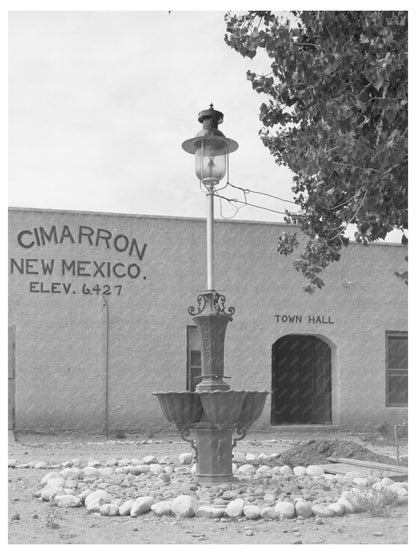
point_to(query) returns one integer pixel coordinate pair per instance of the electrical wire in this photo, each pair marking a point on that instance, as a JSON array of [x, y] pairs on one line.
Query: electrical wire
[[237, 209], [247, 191], [245, 203]]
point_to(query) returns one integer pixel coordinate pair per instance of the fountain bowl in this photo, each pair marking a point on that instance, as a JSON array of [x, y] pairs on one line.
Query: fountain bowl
[[183, 408], [253, 406], [222, 407]]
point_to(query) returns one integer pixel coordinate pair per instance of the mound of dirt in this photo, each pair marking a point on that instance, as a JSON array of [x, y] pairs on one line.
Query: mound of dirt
[[316, 451]]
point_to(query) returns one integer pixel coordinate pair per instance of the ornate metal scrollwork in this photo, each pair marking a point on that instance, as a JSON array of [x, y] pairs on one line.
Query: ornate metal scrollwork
[[213, 302], [242, 432], [185, 433], [202, 303]]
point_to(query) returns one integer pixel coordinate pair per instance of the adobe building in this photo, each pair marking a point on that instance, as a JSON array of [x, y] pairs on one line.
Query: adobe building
[[98, 320]]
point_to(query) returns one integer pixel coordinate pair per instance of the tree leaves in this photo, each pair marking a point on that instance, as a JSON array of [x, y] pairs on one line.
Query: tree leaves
[[337, 117]]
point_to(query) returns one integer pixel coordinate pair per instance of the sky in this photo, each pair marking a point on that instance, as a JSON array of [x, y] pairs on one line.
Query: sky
[[101, 96], [100, 103]]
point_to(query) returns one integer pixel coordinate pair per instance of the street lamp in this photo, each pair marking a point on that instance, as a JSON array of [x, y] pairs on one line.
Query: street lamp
[[213, 412], [211, 149]]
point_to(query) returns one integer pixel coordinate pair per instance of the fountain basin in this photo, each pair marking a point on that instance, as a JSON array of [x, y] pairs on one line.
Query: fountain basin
[[222, 407], [183, 408], [253, 406]]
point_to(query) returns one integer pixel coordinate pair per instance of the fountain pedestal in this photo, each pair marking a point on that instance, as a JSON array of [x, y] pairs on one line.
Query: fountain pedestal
[[213, 412], [214, 460]]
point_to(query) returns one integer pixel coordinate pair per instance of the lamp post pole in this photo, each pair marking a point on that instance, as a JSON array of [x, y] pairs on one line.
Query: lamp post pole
[[210, 237]]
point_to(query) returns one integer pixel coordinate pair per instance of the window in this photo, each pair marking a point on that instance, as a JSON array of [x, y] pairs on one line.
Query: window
[[396, 382], [194, 369]]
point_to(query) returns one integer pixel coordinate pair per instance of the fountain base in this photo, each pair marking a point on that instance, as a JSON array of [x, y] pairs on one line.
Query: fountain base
[[214, 461]]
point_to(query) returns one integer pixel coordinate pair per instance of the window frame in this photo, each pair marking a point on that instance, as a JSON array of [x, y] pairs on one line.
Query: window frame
[[394, 371], [189, 385]]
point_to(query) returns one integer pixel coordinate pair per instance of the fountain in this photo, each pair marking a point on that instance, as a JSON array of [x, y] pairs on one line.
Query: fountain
[[209, 417]]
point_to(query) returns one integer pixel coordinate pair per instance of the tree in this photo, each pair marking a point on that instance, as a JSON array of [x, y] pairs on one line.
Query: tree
[[336, 115]]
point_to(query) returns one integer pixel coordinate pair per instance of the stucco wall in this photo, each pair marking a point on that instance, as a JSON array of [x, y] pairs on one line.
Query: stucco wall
[[61, 353]]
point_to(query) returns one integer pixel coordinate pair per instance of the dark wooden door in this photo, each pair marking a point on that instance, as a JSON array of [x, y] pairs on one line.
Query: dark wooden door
[[301, 380]]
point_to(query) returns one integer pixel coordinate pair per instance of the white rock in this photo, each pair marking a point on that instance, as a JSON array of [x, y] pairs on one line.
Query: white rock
[[85, 494], [354, 497], [322, 510], [109, 509], [76, 462], [234, 468], [299, 471], [330, 477], [314, 470], [263, 457], [251, 511], [105, 471], [141, 468], [239, 457], [141, 505], [161, 508], [402, 494], [303, 508], [360, 482], [93, 462], [125, 508], [269, 498], [40, 464], [51, 476], [268, 513], [124, 462], [67, 501], [193, 469], [150, 459], [285, 509], [235, 508], [50, 492], [396, 486], [165, 460], [264, 469], [338, 509], [69, 491], [246, 469], [56, 483], [251, 457], [12, 463], [156, 468], [184, 506], [71, 473], [169, 470], [186, 458], [90, 471], [387, 481], [378, 486], [94, 507], [100, 495], [66, 464], [125, 470], [113, 462], [285, 470], [208, 511], [136, 462], [349, 507], [276, 469]]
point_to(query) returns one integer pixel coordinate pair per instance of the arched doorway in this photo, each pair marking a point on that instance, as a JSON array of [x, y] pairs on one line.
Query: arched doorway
[[301, 380]]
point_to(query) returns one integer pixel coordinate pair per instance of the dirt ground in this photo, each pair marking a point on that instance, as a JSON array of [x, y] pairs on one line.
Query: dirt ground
[[76, 526]]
